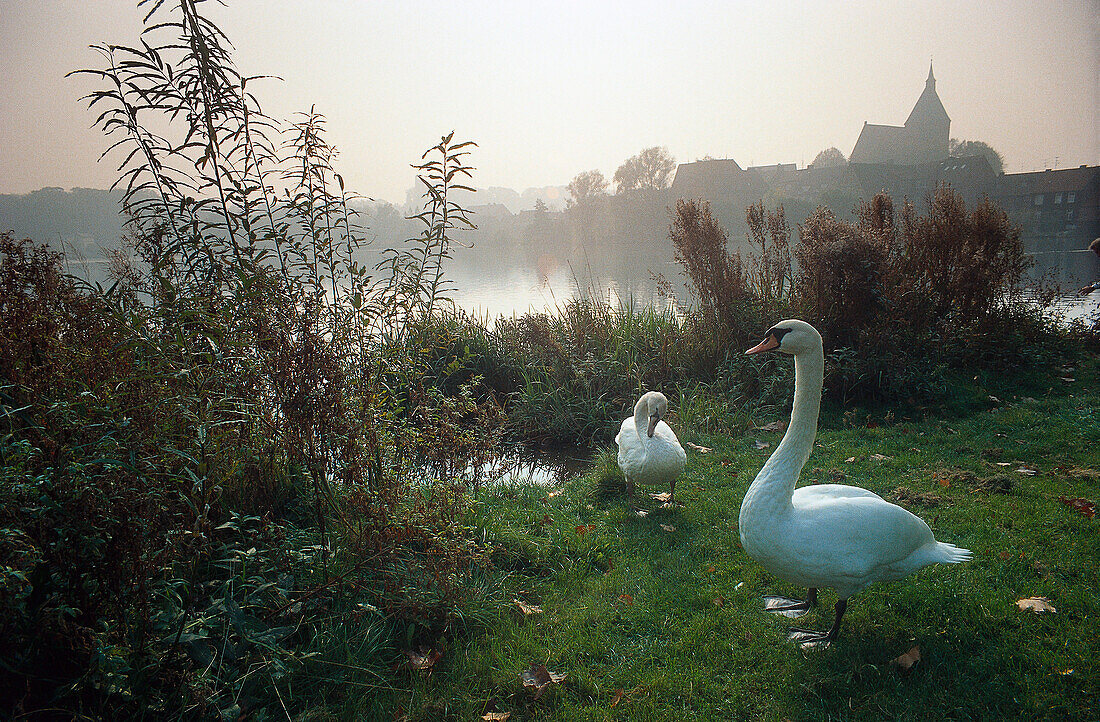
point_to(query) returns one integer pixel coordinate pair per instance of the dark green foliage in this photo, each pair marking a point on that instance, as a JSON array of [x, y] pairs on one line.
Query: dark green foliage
[[238, 452], [900, 301]]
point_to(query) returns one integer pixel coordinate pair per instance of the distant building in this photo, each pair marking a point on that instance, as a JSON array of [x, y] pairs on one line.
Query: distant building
[[1057, 210], [1059, 214], [923, 139]]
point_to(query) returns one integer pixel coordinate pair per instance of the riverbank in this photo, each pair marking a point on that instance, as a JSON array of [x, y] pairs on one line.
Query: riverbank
[[659, 617]]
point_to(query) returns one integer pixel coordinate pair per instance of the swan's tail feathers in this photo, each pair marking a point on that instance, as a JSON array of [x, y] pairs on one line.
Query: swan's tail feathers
[[951, 554]]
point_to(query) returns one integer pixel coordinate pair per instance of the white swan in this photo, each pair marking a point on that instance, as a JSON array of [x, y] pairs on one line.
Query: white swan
[[826, 535], [649, 452]]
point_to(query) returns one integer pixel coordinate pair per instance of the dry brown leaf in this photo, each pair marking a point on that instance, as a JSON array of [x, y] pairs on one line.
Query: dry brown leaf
[[618, 698], [761, 444], [527, 609], [642, 513], [582, 529], [850, 459], [719, 601], [1068, 379], [668, 527], [994, 399], [1004, 463], [906, 661], [773, 426], [664, 496], [551, 495], [700, 449], [423, 658], [496, 716], [1081, 506], [711, 569], [881, 457], [626, 599], [1036, 604], [1026, 471], [539, 677]]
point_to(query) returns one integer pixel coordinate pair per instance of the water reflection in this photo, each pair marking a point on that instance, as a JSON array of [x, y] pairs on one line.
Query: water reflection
[[523, 466]]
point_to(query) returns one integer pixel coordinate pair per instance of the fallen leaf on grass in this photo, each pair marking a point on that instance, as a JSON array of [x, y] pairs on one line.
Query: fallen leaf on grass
[[994, 399], [1036, 604], [626, 599], [1068, 379], [496, 716], [1081, 506], [539, 677], [664, 496], [641, 513], [1005, 555], [700, 449], [850, 459], [527, 609], [668, 527], [582, 529], [881, 457], [719, 601], [551, 495], [760, 444], [1004, 463], [773, 426], [618, 698], [423, 658], [906, 661]]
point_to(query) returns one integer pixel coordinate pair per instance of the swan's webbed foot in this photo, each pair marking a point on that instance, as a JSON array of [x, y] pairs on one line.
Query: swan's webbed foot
[[810, 639], [793, 608]]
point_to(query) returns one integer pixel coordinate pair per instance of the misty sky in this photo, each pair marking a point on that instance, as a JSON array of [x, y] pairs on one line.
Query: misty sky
[[550, 89]]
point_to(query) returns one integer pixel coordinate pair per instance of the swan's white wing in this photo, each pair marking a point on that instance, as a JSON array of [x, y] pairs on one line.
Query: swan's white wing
[[849, 541], [810, 494]]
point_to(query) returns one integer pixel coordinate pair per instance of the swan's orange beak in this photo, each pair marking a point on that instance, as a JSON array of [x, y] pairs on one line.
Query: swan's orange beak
[[768, 344]]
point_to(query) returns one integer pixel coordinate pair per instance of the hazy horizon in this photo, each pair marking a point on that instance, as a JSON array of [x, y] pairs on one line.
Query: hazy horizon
[[549, 92]]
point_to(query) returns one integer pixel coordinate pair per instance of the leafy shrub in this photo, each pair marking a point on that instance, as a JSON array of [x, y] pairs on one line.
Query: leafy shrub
[[716, 277], [901, 301], [242, 433]]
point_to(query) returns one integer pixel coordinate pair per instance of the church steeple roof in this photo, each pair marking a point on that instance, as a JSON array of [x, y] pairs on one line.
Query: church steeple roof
[[928, 110]]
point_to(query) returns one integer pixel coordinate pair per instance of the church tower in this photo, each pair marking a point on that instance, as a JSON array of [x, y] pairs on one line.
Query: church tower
[[923, 139], [929, 125]]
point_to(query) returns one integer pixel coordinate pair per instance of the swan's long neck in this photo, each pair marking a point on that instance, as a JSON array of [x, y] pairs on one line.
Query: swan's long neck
[[641, 422], [775, 483]]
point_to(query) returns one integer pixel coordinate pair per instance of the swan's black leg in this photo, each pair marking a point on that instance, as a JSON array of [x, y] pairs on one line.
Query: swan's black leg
[[808, 638], [793, 608]]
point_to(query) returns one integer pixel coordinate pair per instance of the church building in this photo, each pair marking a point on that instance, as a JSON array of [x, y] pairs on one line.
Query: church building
[[923, 138]]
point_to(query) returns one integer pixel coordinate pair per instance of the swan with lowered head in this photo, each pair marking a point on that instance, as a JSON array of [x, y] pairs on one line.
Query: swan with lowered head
[[826, 535], [649, 452]]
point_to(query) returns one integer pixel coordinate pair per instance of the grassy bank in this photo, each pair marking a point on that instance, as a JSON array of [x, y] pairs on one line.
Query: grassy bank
[[660, 617]]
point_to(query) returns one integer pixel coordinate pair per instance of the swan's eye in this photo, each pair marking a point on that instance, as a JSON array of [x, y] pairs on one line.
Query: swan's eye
[[778, 333]]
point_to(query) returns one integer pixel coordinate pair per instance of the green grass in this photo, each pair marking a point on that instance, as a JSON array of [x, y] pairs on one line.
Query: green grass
[[691, 642]]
